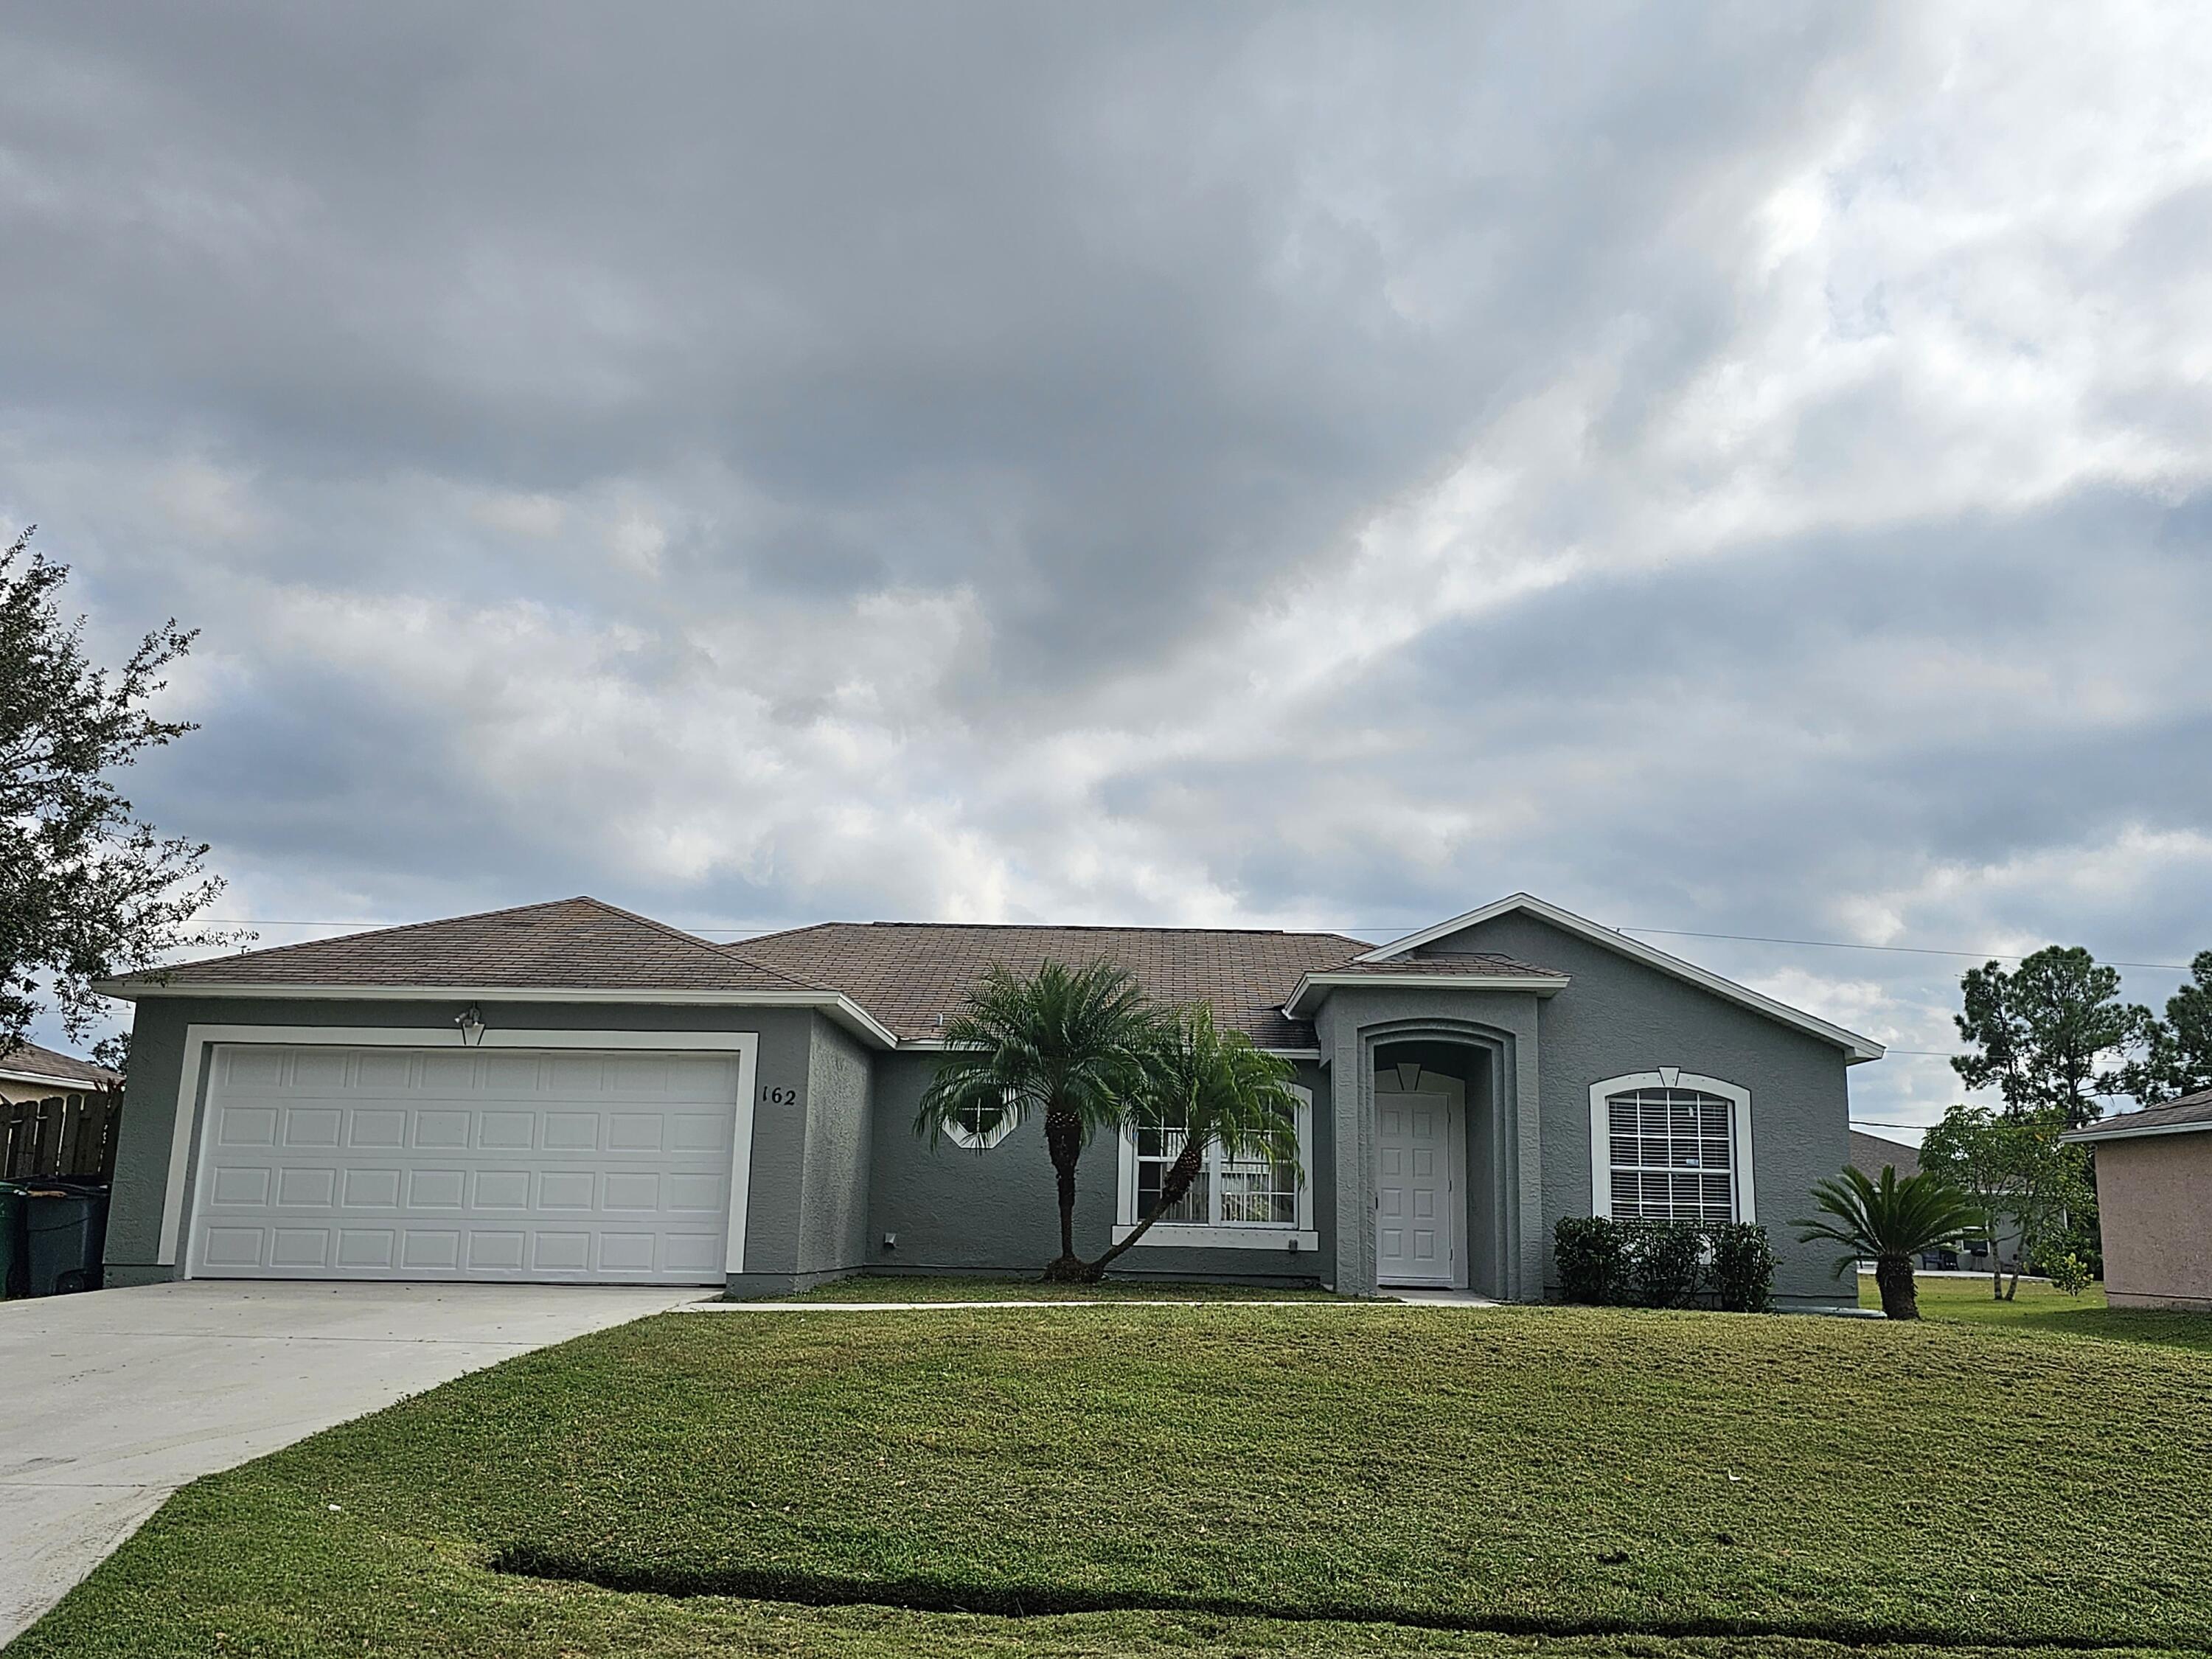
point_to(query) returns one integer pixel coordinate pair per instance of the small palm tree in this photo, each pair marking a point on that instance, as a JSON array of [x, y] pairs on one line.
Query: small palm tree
[[1892, 1222], [1214, 1088], [1065, 1044]]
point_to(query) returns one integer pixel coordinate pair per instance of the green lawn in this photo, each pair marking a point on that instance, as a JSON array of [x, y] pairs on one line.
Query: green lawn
[[2038, 1307], [899, 1287], [1313, 1480]]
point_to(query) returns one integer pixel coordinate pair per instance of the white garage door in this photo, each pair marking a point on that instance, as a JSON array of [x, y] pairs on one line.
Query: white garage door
[[336, 1163]]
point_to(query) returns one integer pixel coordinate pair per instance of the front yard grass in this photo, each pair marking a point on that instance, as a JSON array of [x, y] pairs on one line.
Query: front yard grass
[[1297, 1481], [2039, 1306]]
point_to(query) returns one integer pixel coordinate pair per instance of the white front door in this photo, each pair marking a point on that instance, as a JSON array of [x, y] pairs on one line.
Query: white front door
[[1417, 1190], [456, 1163]]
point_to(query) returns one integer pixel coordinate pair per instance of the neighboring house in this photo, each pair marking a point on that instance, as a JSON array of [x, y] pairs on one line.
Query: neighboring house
[[1969, 1252], [570, 1091], [28, 1073], [1872, 1154], [2154, 1203]]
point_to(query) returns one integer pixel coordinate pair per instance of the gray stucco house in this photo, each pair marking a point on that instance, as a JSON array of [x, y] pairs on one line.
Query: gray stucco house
[[568, 1092]]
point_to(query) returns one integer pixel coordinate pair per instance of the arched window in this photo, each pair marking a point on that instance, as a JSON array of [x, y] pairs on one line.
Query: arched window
[[1671, 1146]]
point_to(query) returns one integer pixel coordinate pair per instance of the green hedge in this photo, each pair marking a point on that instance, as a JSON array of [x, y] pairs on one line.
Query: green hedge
[[1665, 1264]]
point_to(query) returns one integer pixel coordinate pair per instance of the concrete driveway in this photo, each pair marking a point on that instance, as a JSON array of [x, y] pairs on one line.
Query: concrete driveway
[[115, 1399]]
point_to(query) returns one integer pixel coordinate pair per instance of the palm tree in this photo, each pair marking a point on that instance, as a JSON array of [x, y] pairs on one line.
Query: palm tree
[[1212, 1088], [1892, 1222], [1067, 1043]]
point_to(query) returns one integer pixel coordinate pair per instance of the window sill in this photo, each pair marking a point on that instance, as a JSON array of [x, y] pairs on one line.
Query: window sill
[[1185, 1235]]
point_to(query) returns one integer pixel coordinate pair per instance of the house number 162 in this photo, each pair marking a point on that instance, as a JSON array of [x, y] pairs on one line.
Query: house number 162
[[779, 1096]]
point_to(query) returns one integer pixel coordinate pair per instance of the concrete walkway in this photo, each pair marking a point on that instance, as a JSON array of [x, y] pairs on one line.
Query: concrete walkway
[[117, 1397]]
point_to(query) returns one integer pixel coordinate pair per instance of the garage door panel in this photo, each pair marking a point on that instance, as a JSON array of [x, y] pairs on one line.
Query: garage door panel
[[369, 1187], [341, 1162], [246, 1126], [376, 1126]]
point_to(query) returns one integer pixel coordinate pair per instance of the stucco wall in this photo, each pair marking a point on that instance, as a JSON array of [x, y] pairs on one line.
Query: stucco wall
[[1352, 1023], [833, 1221], [954, 1210], [1618, 1016], [2155, 1205], [142, 1165]]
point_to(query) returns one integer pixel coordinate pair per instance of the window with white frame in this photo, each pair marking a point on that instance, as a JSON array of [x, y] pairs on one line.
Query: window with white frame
[[1671, 1155], [1253, 1197], [978, 1128], [1253, 1187]]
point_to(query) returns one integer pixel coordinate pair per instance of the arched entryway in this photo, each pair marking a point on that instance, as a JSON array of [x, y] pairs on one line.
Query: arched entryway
[[1438, 1221]]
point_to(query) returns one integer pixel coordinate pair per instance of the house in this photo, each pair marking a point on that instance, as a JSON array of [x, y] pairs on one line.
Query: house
[[1970, 1251], [2154, 1198], [57, 1115], [571, 1092], [28, 1074], [1872, 1154]]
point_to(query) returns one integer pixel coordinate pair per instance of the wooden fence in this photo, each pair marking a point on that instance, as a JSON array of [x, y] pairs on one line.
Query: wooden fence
[[62, 1135]]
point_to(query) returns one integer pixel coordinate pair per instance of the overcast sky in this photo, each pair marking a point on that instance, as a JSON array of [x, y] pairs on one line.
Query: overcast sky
[[1744, 470]]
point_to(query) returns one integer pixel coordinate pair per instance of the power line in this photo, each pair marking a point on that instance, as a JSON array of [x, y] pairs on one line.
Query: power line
[[1904, 949]]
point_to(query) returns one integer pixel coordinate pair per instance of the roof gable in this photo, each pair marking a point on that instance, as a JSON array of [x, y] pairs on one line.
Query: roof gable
[[569, 945], [1856, 1047]]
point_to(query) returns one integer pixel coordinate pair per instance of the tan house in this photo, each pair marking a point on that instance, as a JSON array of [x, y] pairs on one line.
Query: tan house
[[28, 1073], [2154, 1201]]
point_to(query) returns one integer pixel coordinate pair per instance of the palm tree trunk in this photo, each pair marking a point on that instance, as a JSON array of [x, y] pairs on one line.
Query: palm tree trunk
[[1063, 1139], [1893, 1277], [1173, 1185]]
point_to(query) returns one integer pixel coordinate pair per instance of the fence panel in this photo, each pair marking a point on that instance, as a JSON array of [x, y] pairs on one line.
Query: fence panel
[[62, 1135]]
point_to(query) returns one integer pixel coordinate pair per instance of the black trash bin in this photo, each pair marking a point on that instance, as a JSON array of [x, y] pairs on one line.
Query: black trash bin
[[65, 1232], [12, 1265]]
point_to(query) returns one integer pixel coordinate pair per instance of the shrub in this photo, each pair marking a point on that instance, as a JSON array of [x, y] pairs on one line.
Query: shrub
[[1665, 1255], [1664, 1264], [1592, 1251], [2068, 1272], [1743, 1266]]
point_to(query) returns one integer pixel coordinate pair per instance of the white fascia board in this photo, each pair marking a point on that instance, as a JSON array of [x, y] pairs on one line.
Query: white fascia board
[[1544, 985], [2119, 1131], [838, 1006], [1855, 1046], [81, 1085]]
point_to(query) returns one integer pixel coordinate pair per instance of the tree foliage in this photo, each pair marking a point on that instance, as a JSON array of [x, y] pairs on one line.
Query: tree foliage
[[2052, 1033], [1214, 1088], [2014, 1169], [1890, 1223], [1067, 1044], [2177, 1058], [87, 890]]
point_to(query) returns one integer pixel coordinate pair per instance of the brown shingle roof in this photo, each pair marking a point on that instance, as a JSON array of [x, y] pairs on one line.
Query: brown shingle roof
[[1869, 1153], [29, 1060], [908, 974], [2188, 1112], [578, 944]]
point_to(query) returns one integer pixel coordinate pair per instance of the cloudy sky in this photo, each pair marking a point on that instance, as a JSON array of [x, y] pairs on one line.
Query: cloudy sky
[[1738, 470]]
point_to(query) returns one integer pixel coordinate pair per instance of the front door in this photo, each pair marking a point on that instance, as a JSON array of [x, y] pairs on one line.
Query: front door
[[1417, 1190]]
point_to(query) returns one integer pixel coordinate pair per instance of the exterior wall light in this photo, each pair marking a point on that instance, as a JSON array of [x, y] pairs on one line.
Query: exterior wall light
[[472, 1022]]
